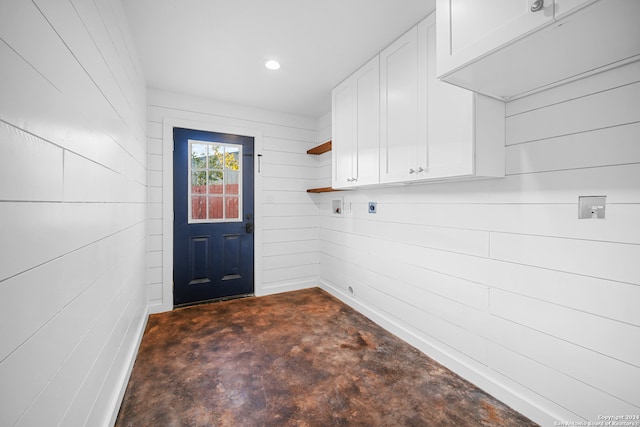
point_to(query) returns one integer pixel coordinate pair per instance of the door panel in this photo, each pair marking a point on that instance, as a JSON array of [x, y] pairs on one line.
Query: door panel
[[231, 252], [198, 260], [399, 108], [367, 103], [343, 135], [450, 121], [213, 216], [566, 7], [470, 29]]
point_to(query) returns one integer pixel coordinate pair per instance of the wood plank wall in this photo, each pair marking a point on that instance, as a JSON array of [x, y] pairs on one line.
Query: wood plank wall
[[73, 211], [289, 233], [499, 279]]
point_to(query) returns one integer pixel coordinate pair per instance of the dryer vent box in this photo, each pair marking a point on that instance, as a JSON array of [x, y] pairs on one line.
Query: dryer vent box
[[591, 207], [337, 207]]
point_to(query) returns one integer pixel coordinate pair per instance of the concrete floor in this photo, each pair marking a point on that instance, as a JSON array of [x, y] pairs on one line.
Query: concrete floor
[[295, 359]]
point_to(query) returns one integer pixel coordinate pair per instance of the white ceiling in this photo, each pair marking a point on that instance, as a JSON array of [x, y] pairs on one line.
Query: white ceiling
[[217, 48]]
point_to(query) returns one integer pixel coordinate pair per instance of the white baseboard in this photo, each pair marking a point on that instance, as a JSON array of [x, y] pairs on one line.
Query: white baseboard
[[286, 287], [158, 306], [126, 374]]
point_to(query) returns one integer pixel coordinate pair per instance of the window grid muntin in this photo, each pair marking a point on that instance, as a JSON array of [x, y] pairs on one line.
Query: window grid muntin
[[225, 196]]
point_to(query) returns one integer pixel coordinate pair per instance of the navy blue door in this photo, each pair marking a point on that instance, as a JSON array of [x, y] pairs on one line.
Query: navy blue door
[[213, 215]]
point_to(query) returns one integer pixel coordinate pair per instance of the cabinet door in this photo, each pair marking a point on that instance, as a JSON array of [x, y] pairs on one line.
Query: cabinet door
[[470, 29], [343, 134], [566, 7], [399, 108], [450, 138], [366, 83]]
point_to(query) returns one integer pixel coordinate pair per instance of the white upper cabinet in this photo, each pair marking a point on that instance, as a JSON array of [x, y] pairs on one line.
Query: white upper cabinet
[[367, 96], [477, 27], [342, 135], [355, 128], [512, 48], [432, 130], [465, 132], [400, 150], [394, 122]]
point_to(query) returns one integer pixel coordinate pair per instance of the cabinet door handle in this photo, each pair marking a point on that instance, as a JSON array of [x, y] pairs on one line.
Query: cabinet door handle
[[420, 169], [349, 179], [537, 5], [411, 171]]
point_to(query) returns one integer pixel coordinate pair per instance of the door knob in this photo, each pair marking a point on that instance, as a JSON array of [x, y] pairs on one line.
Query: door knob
[[248, 227], [537, 5]]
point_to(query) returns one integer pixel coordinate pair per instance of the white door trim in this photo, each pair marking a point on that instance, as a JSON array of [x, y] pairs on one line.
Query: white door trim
[[168, 124]]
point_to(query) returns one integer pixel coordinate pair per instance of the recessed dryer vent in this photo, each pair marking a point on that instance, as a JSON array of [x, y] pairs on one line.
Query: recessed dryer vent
[[337, 207]]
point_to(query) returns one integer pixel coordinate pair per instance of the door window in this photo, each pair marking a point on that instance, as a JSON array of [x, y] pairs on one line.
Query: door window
[[215, 182]]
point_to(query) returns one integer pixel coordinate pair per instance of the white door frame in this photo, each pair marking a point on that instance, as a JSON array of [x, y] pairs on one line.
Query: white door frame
[[168, 124]]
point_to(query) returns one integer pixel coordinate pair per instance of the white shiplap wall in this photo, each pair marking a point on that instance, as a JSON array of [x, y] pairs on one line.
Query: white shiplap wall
[[73, 211], [286, 215], [498, 279]]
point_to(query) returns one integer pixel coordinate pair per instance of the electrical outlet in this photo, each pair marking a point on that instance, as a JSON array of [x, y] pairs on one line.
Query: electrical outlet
[[373, 207]]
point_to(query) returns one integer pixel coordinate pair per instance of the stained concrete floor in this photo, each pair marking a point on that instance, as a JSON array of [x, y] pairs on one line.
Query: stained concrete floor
[[295, 359]]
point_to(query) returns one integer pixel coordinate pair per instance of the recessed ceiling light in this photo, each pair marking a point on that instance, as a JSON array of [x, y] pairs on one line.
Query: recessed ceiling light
[[272, 64]]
